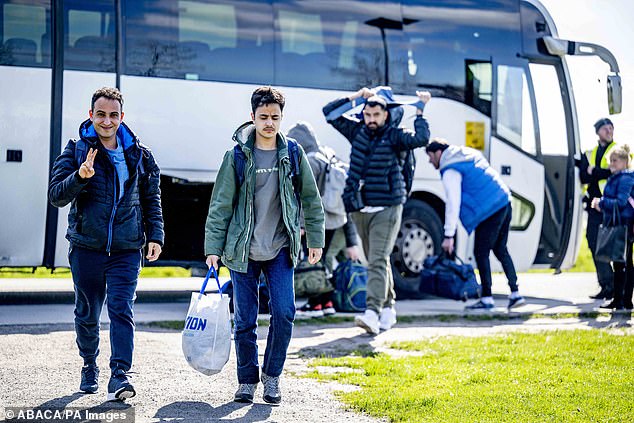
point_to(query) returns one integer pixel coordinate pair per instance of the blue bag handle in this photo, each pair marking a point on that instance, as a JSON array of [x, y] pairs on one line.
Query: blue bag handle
[[210, 272]]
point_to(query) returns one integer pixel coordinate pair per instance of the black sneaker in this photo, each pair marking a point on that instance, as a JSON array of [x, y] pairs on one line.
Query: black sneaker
[[612, 305], [89, 379], [308, 311], [480, 306], [599, 295], [329, 309], [516, 302], [119, 387]]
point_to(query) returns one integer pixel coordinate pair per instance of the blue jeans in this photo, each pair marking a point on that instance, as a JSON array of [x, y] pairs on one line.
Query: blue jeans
[[279, 278], [100, 278]]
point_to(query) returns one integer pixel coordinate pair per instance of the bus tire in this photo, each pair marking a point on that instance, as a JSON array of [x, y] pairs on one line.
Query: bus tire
[[420, 236]]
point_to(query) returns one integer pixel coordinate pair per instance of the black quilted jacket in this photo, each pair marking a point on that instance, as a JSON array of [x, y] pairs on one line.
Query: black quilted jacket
[[384, 184], [96, 220]]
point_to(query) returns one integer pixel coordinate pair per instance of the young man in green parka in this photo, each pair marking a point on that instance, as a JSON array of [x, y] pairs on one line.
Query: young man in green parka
[[253, 224]]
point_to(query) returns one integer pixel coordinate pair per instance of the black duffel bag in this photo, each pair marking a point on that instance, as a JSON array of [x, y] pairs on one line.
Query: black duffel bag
[[444, 277]]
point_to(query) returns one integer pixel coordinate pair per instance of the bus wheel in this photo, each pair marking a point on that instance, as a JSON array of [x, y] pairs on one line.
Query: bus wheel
[[420, 236]]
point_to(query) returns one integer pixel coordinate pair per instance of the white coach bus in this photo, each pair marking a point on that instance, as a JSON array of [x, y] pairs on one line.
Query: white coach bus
[[187, 68]]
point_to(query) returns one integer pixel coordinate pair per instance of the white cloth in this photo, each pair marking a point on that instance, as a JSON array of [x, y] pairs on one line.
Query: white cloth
[[372, 209], [452, 182]]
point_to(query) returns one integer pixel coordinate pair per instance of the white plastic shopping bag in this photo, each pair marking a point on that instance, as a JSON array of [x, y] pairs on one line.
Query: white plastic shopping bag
[[207, 332]]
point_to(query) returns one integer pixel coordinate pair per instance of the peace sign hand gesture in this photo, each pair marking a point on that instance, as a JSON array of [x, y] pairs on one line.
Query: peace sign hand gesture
[[86, 170]]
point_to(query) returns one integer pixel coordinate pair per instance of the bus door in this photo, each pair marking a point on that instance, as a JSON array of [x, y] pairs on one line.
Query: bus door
[[557, 149], [89, 64], [25, 111], [513, 153]]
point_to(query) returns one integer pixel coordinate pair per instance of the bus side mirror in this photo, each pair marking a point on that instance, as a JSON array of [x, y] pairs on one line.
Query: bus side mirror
[[614, 94]]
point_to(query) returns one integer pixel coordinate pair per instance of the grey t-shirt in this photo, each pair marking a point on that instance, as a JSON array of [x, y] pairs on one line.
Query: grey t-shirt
[[269, 232]]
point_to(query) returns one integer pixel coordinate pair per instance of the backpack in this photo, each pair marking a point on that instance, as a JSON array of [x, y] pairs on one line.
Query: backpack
[[240, 161], [407, 162], [331, 182], [310, 279], [351, 279]]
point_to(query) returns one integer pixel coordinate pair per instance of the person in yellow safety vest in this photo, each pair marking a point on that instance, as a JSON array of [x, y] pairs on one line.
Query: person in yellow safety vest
[[594, 172]]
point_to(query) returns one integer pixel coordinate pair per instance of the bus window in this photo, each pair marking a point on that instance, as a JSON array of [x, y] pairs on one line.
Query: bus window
[[550, 109], [479, 86], [200, 40], [445, 36], [514, 112], [89, 34], [25, 33], [332, 44]]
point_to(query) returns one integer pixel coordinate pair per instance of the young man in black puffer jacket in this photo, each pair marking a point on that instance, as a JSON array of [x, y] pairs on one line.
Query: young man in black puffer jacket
[[112, 183], [375, 191]]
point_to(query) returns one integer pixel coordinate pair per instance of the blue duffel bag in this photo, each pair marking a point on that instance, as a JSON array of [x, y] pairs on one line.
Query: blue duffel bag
[[350, 280], [444, 277]]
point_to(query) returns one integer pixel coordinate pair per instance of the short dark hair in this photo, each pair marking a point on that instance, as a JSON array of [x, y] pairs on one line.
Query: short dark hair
[[109, 93], [376, 100], [437, 144], [267, 95]]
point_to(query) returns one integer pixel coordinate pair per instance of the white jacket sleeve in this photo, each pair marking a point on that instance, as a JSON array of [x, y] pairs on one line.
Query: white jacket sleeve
[[452, 182]]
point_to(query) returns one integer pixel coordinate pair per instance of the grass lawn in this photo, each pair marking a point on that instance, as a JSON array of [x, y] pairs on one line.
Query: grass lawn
[[62, 272], [552, 376]]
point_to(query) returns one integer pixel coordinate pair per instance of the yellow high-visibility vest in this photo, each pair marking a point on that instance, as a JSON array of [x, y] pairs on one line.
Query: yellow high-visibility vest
[[605, 161]]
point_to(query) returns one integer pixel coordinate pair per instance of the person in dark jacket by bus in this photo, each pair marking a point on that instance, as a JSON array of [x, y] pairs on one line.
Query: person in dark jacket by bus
[[616, 195], [111, 181], [593, 173], [375, 191]]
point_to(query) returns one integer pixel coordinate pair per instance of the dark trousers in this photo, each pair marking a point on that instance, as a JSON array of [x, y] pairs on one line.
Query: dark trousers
[[100, 278], [605, 274], [492, 235], [624, 280]]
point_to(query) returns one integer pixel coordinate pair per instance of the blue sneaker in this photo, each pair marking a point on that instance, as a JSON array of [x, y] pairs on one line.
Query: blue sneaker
[[89, 378], [516, 302], [119, 387], [479, 305]]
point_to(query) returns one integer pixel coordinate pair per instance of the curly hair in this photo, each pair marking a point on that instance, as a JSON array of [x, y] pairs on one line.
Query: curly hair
[[109, 93], [622, 152]]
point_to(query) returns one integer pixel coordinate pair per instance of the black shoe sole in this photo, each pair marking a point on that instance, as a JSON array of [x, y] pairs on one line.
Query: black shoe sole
[[122, 394], [272, 400], [244, 400]]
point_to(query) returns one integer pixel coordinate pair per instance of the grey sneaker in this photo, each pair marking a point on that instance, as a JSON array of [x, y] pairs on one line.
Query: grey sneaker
[[89, 379], [245, 392], [272, 394]]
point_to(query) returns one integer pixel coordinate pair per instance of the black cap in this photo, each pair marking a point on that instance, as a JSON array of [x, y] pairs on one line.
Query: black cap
[[603, 121]]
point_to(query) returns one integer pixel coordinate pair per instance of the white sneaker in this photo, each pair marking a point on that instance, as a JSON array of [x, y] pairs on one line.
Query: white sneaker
[[368, 321], [387, 319]]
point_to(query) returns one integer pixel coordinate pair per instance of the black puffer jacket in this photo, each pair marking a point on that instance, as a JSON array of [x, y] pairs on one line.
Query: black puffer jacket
[[96, 220], [384, 184]]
